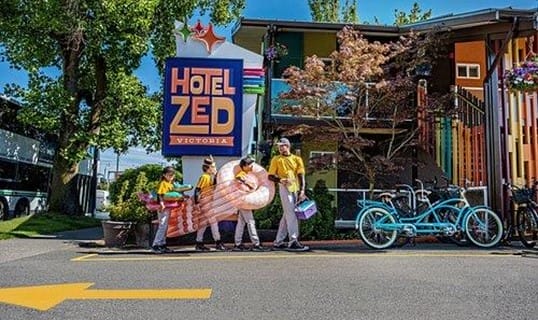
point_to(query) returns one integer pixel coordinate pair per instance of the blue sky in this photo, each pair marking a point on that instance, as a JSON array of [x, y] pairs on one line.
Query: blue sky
[[298, 10], [286, 10]]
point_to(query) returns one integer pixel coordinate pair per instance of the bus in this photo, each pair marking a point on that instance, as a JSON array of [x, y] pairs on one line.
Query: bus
[[26, 159]]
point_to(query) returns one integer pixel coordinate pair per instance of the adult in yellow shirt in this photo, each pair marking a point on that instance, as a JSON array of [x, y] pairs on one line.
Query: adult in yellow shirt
[[288, 171]]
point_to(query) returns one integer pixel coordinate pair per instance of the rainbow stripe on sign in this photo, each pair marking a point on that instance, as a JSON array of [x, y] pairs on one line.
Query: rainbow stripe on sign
[[253, 81]]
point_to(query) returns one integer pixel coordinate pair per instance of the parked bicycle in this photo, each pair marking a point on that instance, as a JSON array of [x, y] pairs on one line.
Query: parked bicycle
[[526, 213], [381, 224]]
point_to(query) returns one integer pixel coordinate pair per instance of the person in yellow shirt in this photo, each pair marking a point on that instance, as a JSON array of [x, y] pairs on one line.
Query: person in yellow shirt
[[165, 185], [245, 217], [205, 182], [288, 171]]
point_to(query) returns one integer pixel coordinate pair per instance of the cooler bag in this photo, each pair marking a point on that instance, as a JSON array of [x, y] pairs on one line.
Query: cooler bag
[[305, 209]]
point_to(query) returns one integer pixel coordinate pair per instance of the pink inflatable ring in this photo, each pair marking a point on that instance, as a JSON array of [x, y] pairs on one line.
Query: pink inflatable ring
[[239, 195]]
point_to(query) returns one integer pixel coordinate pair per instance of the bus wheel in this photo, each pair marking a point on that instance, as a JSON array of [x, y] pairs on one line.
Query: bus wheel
[[22, 208], [3, 210]]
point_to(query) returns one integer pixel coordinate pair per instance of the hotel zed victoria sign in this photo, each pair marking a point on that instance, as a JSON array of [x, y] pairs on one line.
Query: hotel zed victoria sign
[[202, 107]]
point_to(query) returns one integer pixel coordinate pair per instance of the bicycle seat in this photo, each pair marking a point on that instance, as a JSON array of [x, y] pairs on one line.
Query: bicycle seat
[[384, 195]]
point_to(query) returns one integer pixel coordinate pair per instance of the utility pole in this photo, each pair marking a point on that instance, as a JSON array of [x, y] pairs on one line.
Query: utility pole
[[93, 188]]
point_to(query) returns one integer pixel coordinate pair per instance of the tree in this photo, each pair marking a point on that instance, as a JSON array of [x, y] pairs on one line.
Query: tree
[[333, 11], [365, 98], [414, 15], [93, 46]]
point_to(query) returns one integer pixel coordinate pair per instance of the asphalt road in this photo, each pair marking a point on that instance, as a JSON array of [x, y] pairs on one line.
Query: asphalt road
[[429, 281]]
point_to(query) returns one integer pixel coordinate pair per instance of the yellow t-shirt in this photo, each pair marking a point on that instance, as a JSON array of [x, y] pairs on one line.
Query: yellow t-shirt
[[164, 186], [204, 182], [287, 167], [242, 175]]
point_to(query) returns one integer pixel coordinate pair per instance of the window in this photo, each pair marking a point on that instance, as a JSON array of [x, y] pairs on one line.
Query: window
[[468, 70], [327, 158], [314, 154]]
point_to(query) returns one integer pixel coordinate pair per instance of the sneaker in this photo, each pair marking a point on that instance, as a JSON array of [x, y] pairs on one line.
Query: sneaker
[[200, 247], [279, 246], [297, 246], [157, 249], [220, 246], [165, 249], [239, 247], [257, 248]]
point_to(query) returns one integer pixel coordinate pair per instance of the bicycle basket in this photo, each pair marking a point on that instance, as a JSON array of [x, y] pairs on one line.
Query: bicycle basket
[[522, 195]]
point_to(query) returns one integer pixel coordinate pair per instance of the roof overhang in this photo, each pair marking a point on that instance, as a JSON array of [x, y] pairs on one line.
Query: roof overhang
[[471, 19], [250, 32]]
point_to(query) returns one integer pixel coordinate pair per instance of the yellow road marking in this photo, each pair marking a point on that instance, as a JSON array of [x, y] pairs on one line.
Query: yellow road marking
[[177, 256], [45, 297], [84, 257]]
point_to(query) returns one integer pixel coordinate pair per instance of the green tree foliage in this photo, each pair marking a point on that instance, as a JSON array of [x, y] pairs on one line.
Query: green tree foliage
[[414, 15], [334, 11], [80, 56]]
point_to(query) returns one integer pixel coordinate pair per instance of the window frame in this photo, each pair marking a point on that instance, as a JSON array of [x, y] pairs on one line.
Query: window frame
[[467, 66]]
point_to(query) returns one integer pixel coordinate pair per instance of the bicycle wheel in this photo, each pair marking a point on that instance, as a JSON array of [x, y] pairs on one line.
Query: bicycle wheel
[[527, 229], [448, 214], [483, 227], [372, 235]]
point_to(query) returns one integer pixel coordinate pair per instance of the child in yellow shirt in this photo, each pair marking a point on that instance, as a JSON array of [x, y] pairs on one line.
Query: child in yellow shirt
[[165, 185], [245, 216], [206, 181]]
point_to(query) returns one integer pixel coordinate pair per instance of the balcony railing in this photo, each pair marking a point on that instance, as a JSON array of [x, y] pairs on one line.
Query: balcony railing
[[279, 86]]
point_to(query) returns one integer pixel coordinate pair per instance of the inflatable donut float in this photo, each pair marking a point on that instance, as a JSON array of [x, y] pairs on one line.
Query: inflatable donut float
[[219, 202], [229, 189]]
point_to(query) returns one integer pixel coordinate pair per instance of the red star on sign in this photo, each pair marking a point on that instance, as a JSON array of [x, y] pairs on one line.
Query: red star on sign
[[198, 28], [209, 38]]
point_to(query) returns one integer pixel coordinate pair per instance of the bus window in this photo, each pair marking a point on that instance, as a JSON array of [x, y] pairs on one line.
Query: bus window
[[8, 171]]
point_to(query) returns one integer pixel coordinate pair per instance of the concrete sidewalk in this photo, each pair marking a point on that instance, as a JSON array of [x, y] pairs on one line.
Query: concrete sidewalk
[[18, 248]]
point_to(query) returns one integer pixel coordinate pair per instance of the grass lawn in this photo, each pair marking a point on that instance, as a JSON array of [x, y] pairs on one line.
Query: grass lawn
[[44, 224]]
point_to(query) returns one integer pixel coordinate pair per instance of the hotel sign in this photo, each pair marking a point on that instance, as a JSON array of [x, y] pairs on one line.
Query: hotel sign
[[202, 107]]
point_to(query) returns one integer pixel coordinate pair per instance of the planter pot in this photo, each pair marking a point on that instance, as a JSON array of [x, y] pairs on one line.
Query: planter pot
[[115, 232], [142, 236]]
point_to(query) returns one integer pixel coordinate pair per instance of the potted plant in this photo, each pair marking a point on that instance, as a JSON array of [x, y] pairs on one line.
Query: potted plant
[[275, 52], [524, 77], [128, 213]]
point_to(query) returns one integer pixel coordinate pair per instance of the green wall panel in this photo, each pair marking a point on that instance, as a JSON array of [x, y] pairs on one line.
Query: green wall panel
[[294, 42]]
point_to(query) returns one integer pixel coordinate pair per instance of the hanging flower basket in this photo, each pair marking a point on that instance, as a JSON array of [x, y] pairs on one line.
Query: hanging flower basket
[[524, 77], [275, 52]]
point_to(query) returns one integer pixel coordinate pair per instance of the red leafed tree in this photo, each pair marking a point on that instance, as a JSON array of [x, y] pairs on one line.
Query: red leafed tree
[[365, 98]]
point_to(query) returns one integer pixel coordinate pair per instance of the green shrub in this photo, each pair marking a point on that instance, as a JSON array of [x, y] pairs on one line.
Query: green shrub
[[321, 225], [131, 209], [269, 216], [153, 173]]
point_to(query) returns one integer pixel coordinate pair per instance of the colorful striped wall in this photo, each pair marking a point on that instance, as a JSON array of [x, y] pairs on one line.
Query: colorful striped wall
[[459, 143], [521, 118]]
